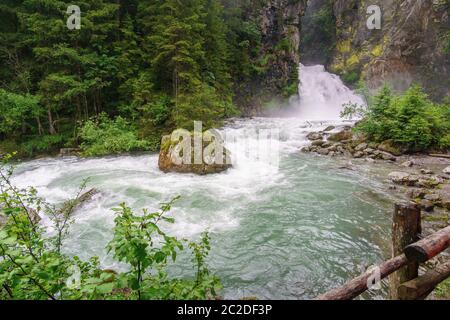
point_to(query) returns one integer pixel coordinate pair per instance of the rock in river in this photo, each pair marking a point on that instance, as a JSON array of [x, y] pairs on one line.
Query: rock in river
[[403, 178], [177, 156]]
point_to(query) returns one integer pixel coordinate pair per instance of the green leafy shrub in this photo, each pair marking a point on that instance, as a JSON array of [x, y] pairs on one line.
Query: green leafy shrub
[[103, 136], [42, 144], [443, 290], [17, 112], [410, 120], [351, 77], [33, 267]]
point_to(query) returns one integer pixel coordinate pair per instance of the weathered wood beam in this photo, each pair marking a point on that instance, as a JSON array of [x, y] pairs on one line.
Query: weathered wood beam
[[421, 287], [447, 156], [406, 228], [429, 247], [355, 287]]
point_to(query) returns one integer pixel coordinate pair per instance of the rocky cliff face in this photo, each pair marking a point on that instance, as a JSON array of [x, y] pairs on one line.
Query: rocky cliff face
[[409, 48], [280, 25]]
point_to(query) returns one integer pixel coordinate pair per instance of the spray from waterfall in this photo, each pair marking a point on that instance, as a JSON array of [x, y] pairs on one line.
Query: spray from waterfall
[[322, 94]]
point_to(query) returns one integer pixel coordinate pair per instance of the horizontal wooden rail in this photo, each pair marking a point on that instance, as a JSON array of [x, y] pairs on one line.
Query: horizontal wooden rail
[[355, 287], [420, 251], [421, 287], [429, 247]]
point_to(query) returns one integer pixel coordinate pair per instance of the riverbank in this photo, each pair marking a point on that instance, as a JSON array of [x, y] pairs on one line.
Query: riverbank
[[423, 178], [420, 178]]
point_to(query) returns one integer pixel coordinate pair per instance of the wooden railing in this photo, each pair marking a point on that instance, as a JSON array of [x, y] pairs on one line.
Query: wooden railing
[[403, 268]]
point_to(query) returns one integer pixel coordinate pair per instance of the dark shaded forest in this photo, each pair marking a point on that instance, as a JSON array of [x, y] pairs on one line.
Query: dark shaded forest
[[135, 70]]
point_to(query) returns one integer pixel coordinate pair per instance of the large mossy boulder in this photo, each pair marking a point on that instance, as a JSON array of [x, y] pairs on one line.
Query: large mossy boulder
[[390, 147], [180, 157], [343, 135]]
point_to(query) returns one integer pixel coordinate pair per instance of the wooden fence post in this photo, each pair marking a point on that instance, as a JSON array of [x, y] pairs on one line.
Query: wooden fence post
[[406, 228]]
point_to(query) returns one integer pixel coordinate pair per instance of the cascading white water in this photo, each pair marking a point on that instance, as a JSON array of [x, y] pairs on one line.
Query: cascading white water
[[322, 94], [279, 230]]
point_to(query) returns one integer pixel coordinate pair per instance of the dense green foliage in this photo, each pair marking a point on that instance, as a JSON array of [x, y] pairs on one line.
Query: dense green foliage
[[409, 120], [102, 136], [157, 64], [32, 265]]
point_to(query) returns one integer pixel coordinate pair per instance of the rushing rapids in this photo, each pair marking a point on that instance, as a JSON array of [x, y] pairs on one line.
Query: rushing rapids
[[283, 224]]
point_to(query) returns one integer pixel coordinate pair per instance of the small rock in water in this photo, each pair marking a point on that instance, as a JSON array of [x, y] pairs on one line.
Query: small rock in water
[[314, 136], [388, 156], [416, 193], [323, 151], [318, 143], [430, 182], [445, 200], [407, 164], [426, 171], [361, 147], [427, 205], [306, 149], [358, 154], [446, 170], [433, 197], [327, 144], [330, 128], [403, 178]]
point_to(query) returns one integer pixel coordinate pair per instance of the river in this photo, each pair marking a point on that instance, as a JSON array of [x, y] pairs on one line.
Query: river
[[286, 229]]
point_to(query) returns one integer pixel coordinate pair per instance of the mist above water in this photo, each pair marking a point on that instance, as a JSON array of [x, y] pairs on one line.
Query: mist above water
[[322, 94]]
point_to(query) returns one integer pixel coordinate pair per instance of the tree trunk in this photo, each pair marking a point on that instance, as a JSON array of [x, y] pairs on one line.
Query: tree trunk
[[40, 129], [51, 126]]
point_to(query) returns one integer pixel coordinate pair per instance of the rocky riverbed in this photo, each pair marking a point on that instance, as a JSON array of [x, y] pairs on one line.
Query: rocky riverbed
[[421, 178]]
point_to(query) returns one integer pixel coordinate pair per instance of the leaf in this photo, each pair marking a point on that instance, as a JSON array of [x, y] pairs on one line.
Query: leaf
[[10, 241], [105, 288]]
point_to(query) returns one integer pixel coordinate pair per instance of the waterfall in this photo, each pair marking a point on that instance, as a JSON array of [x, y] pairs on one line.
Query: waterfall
[[322, 94]]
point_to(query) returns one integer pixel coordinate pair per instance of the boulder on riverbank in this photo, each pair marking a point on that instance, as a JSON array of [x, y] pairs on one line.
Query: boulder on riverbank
[[390, 147], [69, 152], [343, 135], [172, 157], [346, 143], [403, 178]]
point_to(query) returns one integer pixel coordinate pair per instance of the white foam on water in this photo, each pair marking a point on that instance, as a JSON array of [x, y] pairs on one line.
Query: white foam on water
[[322, 94], [212, 202]]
